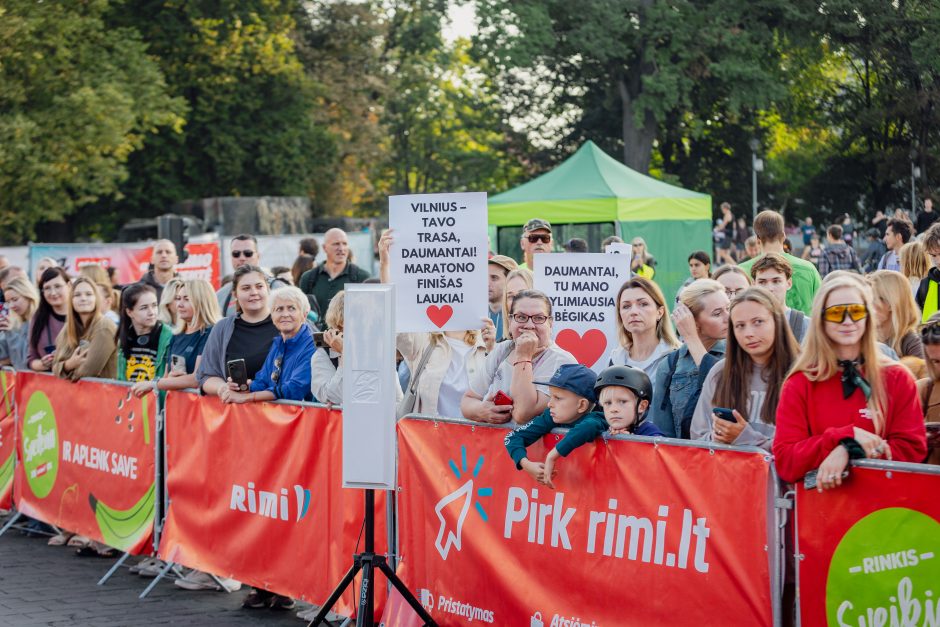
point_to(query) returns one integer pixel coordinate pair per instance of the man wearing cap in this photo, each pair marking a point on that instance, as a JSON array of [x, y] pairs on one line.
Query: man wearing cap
[[499, 267], [536, 238]]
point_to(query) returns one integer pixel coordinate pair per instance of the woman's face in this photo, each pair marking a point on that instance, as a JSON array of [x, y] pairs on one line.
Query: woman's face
[[713, 318], [697, 269], [18, 304], [638, 311], [754, 329], [847, 332], [84, 299], [144, 313], [532, 307], [42, 266], [55, 291], [104, 293], [881, 313], [513, 286], [287, 316], [932, 353], [252, 293], [733, 283], [184, 307]]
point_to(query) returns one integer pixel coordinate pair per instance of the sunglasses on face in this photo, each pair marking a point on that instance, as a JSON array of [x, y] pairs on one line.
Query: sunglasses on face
[[248, 253], [837, 313], [544, 238]]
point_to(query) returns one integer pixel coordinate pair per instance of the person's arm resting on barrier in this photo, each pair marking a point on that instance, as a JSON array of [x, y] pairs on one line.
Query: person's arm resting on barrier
[[527, 402], [97, 353], [518, 440], [326, 382]]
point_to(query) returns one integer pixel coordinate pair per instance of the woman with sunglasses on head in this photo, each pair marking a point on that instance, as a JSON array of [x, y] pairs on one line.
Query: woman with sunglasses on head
[[49, 319], [760, 350], [843, 399], [505, 388], [285, 374]]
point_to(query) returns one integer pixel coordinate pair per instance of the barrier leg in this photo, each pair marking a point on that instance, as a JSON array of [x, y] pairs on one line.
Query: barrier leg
[[163, 572], [11, 522], [114, 568]]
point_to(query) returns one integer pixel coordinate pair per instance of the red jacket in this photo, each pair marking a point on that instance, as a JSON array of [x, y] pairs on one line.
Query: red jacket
[[812, 417]]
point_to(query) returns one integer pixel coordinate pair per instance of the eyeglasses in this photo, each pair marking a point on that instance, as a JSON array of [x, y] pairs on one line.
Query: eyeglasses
[[545, 238], [521, 318], [732, 293], [277, 369], [248, 253], [837, 313]]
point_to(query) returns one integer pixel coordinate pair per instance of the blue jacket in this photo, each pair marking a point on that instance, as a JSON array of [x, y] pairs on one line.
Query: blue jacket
[[291, 360], [678, 385]]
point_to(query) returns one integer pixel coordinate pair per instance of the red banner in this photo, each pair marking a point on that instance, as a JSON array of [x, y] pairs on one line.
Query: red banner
[[85, 459], [7, 428], [635, 533], [256, 495], [871, 549]]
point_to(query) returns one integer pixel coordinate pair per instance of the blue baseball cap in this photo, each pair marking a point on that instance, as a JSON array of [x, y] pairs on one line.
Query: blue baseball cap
[[575, 378]]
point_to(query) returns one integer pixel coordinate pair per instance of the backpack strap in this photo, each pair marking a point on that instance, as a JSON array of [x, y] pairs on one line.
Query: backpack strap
[[796, 321]]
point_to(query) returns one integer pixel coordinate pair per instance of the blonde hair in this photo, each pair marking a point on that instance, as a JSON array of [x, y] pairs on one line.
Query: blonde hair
[[696, 291], [894, 290], [75, 329], [663, 325], [529, 279], [818, 360], [166, 299], [25, 288], [205, 305], [470, 337], [914, 260], [96, 273], [334, 313]]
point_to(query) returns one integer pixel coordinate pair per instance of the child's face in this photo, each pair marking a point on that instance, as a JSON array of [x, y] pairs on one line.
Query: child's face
[[564, 405], [934, 254], [620, 407]]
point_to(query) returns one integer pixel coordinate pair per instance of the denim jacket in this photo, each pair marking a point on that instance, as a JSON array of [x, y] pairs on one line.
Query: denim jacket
[[674, 390]]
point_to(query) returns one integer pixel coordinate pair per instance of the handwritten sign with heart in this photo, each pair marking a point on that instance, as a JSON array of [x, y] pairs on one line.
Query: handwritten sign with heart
[[438, 261], [582, 288]]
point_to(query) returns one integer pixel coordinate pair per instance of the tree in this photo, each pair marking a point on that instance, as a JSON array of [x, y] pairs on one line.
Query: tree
[[630, 65], [78, 99]]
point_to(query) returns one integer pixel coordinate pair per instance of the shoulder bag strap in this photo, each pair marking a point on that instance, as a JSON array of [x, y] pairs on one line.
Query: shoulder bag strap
[[425, 356]]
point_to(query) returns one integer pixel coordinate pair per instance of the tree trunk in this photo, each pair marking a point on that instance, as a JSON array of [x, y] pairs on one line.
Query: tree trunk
[[637, 140]]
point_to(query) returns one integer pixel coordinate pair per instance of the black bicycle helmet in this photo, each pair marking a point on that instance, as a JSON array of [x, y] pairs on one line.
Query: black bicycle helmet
[[630, 378], [627, 377]]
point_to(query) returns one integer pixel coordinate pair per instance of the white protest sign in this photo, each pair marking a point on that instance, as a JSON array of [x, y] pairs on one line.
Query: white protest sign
[[438, 261], [582, 288], [620, 248]]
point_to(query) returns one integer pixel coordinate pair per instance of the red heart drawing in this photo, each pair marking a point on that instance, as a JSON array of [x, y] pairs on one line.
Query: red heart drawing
[[439, 315], [587, 348]]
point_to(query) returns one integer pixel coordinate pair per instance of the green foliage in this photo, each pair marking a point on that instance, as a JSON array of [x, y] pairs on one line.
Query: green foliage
[[76, 99]]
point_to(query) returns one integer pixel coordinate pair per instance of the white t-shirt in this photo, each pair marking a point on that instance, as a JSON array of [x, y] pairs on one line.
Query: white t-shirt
[[620, 357], [455, 382], [497, 372]]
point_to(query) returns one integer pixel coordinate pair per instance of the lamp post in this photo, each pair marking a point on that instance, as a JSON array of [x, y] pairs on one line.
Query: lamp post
[[757, 165]]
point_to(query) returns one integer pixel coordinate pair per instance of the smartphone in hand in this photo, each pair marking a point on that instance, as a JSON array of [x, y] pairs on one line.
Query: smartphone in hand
[[318, 340], [238, 373], [724, 413], [501, 398], [177, 364]]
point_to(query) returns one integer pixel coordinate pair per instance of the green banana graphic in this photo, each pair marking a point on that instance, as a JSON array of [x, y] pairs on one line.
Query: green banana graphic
[[123, 529], [6, 471]]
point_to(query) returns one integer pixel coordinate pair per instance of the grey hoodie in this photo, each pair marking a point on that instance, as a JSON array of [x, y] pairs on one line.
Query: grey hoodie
[[757, 432], [14, 345]]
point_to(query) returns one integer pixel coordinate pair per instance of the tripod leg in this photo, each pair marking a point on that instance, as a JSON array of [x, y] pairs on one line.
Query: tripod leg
[[406, 594], [365, 617], [335, 595]]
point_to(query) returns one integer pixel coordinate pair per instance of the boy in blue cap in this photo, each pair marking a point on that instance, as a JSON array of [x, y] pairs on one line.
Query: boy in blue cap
[[571, 399], [625, 393]]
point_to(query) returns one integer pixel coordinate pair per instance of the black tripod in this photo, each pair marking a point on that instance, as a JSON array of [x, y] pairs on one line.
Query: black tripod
[[367, 562]]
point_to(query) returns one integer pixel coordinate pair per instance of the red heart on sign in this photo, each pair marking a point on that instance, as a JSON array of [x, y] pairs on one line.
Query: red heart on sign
[[439, 315], [587, 348]]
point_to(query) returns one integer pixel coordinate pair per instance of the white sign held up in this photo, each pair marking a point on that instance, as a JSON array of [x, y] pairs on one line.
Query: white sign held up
[[582, 288], [438, 261]]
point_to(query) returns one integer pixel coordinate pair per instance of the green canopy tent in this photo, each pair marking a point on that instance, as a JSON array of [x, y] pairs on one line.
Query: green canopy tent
[[591, 187]]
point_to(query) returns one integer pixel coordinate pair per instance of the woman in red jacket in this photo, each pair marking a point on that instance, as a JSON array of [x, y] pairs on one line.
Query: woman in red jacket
[[842, 398]]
